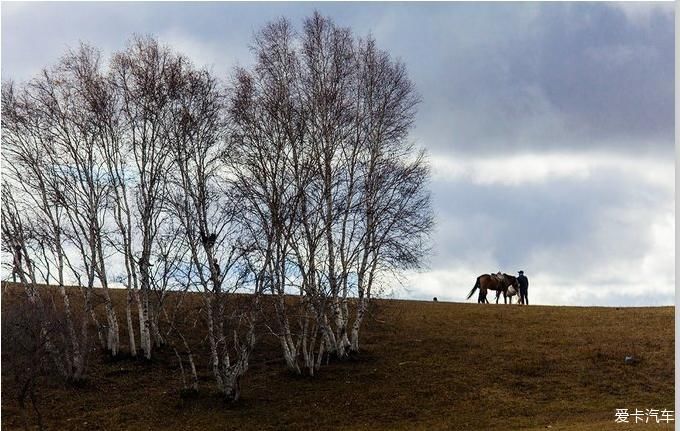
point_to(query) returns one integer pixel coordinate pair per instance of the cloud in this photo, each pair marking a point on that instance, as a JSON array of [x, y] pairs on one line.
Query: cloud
[[495, 77], [574, 222], [203, 53], [520, 169], [548, 77], [645, 13]]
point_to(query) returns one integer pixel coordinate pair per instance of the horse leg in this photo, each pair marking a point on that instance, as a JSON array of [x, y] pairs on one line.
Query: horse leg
[[482, 296], [498, 295]]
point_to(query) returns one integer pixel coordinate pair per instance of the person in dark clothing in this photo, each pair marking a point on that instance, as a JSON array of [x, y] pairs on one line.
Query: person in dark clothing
[[523, 288]]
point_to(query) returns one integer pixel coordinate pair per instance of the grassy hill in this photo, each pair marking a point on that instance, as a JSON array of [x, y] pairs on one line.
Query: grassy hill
[[423, 366]]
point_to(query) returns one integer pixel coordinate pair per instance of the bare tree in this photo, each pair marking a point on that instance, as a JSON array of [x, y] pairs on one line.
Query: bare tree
[[298, 183], [268, 169], [203, 204], [177, 321], [145, 75], [115, 150], [336, 194], [395, 215], [329, 86], [71, 99], [28, 154]]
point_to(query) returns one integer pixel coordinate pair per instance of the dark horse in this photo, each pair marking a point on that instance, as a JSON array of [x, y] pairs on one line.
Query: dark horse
[[501, 283]]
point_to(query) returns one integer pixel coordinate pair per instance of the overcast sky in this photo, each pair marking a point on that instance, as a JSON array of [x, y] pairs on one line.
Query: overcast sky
[[550, 126]]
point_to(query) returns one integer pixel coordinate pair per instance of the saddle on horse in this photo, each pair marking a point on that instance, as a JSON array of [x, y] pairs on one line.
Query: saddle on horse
[[498, 277]]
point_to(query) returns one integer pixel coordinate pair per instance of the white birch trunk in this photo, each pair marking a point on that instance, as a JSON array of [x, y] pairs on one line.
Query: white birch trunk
[[76, 357], [145, 325], [214, 355], [194, 374], [155, 331], [144, 339], [362, 306], [233, 373], [289, 353], [131, 329], [113, 336], [87, 297]]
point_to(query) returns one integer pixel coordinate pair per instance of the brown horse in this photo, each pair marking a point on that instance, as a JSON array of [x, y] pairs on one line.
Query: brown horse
[[498, 282]]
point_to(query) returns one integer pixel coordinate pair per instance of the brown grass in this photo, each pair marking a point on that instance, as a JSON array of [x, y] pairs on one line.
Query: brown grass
[[423, 366]]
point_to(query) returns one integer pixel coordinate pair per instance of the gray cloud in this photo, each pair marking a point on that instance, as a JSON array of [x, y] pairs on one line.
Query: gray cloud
[[599, 220], [547, 76], [611, 78], [495, 77], [601, 238]]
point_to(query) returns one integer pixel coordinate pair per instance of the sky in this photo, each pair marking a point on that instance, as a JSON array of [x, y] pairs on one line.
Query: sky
[[549, 126]]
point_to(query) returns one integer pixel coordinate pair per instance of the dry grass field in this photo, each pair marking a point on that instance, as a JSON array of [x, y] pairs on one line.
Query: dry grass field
[[424, 365]]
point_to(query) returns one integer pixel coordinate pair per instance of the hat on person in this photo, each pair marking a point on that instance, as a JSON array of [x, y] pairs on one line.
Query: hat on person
[[521, 272]]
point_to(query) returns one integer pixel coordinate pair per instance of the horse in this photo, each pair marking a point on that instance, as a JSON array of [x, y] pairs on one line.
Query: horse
[[501, 283], [509, 293]]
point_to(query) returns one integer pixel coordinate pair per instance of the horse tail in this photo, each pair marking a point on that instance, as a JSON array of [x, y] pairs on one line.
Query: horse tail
[[473, 289]]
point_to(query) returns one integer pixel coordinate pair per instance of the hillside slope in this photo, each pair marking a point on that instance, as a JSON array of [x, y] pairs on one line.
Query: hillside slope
[[423, 366]]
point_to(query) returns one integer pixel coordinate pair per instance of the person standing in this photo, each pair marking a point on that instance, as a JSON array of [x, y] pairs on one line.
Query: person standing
[[523, 288]]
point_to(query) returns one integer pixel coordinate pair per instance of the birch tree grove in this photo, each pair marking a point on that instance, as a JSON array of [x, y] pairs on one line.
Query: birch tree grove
[[34, 212], [201, 201], [281, 200], [145, 75], [336, 194], [71, 99]]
